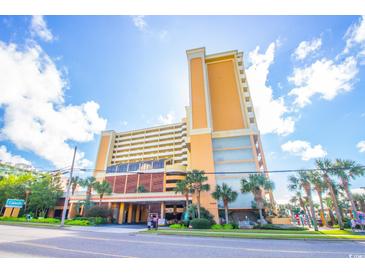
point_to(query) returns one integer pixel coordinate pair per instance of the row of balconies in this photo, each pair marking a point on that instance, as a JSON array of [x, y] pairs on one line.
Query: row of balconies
[[157, 132], [149, 139], [180, 143], [143, 151], [169, 154]]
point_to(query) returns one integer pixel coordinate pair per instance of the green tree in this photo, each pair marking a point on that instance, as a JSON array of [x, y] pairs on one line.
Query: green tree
[[227, 195], [302, 181], [298, 198], [329, 204], [347, 170], [185, 188], [102, 188], [360, 199], [44, 195], [197, 179], [325, 166], [319, 186], [256, 184], [88, 183]]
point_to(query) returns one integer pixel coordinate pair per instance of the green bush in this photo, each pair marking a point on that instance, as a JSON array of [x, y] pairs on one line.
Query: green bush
[[200, 223], [177, 226], [77, 222], [216, 226], [93, 220], [228, 226], [278, 227], [13, 219], [98, 211], [45, 220]]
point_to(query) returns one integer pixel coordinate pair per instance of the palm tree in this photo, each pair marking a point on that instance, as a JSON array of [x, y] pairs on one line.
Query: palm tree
[[319, 186], [185, 188], [329, 204], [301, 181], [325, 166], [102, 188], [347, 170], [360, 199], [299, 198], [227, 195], [197, 179], [88, 183], [256, 183]]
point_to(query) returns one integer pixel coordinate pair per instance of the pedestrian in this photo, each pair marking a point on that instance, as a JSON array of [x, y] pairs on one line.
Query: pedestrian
[[155, 222], [149, 222], [353, 224]]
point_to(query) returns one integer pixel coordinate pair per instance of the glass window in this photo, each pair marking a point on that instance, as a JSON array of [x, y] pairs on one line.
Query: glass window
[[122, 168], [133, 167]]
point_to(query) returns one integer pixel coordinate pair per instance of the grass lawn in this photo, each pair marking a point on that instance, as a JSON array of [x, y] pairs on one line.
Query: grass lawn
[[263, 234]]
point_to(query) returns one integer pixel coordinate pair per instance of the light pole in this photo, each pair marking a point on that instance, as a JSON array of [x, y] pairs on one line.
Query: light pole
[[68, 191]]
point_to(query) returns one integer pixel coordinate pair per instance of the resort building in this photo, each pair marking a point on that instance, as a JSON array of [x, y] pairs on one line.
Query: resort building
[[218, 135]]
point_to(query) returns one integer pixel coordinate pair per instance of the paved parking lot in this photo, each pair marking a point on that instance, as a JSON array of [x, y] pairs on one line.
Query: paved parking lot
[[18, 241]]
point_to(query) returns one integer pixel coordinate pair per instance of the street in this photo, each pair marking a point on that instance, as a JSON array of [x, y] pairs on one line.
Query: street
[[124, 242]]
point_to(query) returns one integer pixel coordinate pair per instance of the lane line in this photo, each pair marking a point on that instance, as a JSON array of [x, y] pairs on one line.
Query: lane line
[[218, 247], [70, 250]]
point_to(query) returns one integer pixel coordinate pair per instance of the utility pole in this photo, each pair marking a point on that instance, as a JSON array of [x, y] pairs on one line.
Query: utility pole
[[68, 191]]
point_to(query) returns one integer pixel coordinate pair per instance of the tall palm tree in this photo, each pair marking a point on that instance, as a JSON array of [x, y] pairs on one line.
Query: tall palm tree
[[75, 182], [319, 186], [329, 204], [347, 170], [88, 183], [197, 179], [256, 183], [325, 166], [185, 188], [301, 181], [360, 199], [102, 188], [227, 195]]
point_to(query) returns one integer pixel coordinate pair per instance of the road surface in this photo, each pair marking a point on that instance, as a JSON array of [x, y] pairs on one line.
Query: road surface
[[122, 242]]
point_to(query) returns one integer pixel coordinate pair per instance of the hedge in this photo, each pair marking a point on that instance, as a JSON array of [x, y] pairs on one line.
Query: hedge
[[200, 223]]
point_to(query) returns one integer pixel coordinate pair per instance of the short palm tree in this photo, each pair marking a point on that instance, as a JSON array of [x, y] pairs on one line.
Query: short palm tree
[[319, 186], [227, 195], [88, 183], [329, 204], [301, 200], [197, 179], [75, 182], [325, 167], [102, 188], [301, 181], [185, 188], [360, 199], [256, 184], [347, 170]]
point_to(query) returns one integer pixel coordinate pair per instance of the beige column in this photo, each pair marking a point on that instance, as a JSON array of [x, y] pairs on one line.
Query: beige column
[[15, 212], [50, 213], [162, 214], [8, 211], [130, 213], [121, 213], [137, 214]]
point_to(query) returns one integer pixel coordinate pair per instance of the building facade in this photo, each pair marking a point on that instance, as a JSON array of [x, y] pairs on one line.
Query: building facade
[[218, 135]]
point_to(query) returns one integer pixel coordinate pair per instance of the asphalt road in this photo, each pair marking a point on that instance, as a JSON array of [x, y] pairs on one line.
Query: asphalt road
[[17, 241]]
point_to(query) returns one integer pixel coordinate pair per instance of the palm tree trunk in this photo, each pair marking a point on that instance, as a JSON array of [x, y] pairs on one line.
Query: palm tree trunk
[[198, 203], [349, 196], [312, 211], [335, 203], [322, 208], [261, 216], [101, 198], [308, 216], [226, 212], [186, 201]]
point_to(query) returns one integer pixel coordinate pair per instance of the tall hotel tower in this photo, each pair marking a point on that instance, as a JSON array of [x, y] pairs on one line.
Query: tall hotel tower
[[218, 135]]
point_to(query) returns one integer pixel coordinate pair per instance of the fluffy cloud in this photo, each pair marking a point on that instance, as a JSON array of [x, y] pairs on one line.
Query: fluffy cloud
[[139, 22], [36, 117], [361, 146], [355, 34], [304, 149], [270, 112], [307, 47], [7, 157], [169, 118], [323, 77], [39, 28]]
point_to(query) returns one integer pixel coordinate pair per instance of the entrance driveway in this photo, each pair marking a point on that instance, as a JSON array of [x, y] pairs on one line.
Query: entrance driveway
[[124, 228]]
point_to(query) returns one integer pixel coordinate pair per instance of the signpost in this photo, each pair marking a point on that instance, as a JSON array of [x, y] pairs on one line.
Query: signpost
[[12, 207], [14, 203]]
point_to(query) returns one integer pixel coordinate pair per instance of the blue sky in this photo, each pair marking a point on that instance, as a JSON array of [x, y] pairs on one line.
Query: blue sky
[[124, 72]]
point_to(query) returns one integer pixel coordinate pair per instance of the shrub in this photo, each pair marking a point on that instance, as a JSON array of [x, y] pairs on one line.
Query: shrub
[[278, 227], [200, 223], [98, 211], [228, 226], [216, 226], [13, 219], [177, 226], [77, 222], [45, 220], [93, 220]]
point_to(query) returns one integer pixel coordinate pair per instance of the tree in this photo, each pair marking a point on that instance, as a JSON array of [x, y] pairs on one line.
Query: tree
[[197, 179], [44, 195], [256, 183], [299, 198], [88, 183], [75, 182], [329, 204], [319, 186], [347, 170], [102, 188], [360, 199], [301, 181], [227, 195], [325, 166], [185, 188]]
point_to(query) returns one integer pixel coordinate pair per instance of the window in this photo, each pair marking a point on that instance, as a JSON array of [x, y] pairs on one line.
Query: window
[[133, 167], [249, 109], [122, 168], [252, 120], [247, 99]]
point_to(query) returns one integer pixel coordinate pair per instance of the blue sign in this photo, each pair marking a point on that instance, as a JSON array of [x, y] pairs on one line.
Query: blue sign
[[14, 203]]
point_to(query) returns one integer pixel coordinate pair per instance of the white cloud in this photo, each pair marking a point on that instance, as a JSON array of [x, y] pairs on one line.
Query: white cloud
[[36, 117], [7, 157], [270, 112], [307, 47], [355, 34], [304, 149], [169, 118], [361, 146], [139, 22], [39, 28], [323, 77]]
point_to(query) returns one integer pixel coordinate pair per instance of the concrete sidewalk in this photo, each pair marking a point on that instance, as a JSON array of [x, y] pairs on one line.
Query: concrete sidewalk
[[109, 228]]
